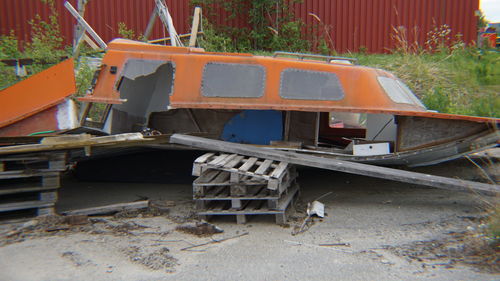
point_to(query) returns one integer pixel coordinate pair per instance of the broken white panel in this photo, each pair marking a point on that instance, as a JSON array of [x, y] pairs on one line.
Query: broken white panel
[[370, 149], [316, 208], [66, 115]]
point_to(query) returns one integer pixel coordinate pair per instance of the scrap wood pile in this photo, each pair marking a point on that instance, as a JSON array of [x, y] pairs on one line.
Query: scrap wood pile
[[232, 184], [29, 183]]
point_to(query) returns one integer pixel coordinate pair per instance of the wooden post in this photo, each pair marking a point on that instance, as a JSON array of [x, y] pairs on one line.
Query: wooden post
[[151, 24], [194, 26], [79, 29]]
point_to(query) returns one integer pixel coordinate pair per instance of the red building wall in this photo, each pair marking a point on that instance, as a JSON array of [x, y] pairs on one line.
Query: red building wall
[[351, 23]]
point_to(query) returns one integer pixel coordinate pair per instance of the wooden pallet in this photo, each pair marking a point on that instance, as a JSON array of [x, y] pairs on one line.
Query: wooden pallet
[[231, 184], [277, 174], [30, 182], [241, 208]]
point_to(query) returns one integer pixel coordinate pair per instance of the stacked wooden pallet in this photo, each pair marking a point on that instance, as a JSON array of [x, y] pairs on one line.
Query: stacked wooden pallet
[[29, 183], [232, 184]]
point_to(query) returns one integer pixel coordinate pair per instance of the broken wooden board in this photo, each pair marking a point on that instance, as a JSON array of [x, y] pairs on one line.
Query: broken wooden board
[[74, 142], [338, 165], [109, 208]]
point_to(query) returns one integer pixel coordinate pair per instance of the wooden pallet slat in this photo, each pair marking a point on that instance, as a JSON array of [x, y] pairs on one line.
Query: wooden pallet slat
[[218, 159], [263, 167], [248, 164], [225, 160], [234, 162], [278, 171], [204, 158]]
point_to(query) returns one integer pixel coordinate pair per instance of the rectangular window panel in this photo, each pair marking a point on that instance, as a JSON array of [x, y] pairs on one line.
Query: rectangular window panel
[[398, 92], [310, 85], [230, 80]]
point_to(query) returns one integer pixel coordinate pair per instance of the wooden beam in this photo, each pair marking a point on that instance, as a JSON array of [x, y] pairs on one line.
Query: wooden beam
[[79, 29], [168, 38], [109, 208], [90, 42], [194, 27], [95, 141], [338, 165], [151, 24]]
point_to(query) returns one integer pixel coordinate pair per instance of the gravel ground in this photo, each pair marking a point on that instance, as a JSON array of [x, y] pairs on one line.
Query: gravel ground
[[374, 230]]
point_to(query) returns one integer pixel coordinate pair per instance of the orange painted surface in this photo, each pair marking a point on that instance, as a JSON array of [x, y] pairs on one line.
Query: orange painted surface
[[363, 93], [37, 93], [45, 120]]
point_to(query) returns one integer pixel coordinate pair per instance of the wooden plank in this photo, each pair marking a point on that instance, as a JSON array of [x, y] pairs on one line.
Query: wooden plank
[[263, 167], [44, 211], [235, 161], [29, 157], [53, 181], [221, 178], [211, 197], [206, 177], [204, 158], [279, 170], [226, 160], [65, 139], [97, 141], [194, 27], [218, 159], [109, 208], [339, 165], [27, 173], [248, 164], [24, 189], [285, 200], [151, 23], [25, 205]]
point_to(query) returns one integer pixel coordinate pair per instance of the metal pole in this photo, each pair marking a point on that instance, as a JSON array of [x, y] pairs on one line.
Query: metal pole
[[86, 25]]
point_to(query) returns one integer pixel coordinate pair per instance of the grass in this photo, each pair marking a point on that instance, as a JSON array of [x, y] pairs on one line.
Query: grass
[[464, 81]]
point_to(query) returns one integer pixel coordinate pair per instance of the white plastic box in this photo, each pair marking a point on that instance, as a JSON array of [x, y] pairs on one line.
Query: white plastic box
[[371, 149]]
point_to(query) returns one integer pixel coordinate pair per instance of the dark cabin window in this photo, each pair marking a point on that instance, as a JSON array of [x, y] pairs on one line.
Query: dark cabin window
[[231, 80], [310, 85]]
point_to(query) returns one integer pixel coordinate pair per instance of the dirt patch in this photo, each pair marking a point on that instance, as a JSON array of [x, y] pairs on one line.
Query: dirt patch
[[200, 229], [158, 259], [156, 208], [76, 258], [459, 248], [124, 228], [64, 225], [42, 227]]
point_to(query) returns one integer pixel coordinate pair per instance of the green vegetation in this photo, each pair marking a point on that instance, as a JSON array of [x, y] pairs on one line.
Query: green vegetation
[[462, 81], [271, 26], [45, 47]]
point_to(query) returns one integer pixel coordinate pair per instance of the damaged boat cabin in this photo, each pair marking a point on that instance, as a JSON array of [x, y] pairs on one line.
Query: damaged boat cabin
[[304, 103]]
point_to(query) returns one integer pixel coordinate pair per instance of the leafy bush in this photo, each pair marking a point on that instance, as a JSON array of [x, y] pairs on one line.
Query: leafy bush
[[8, 50], [271, 26], [45, 47]]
